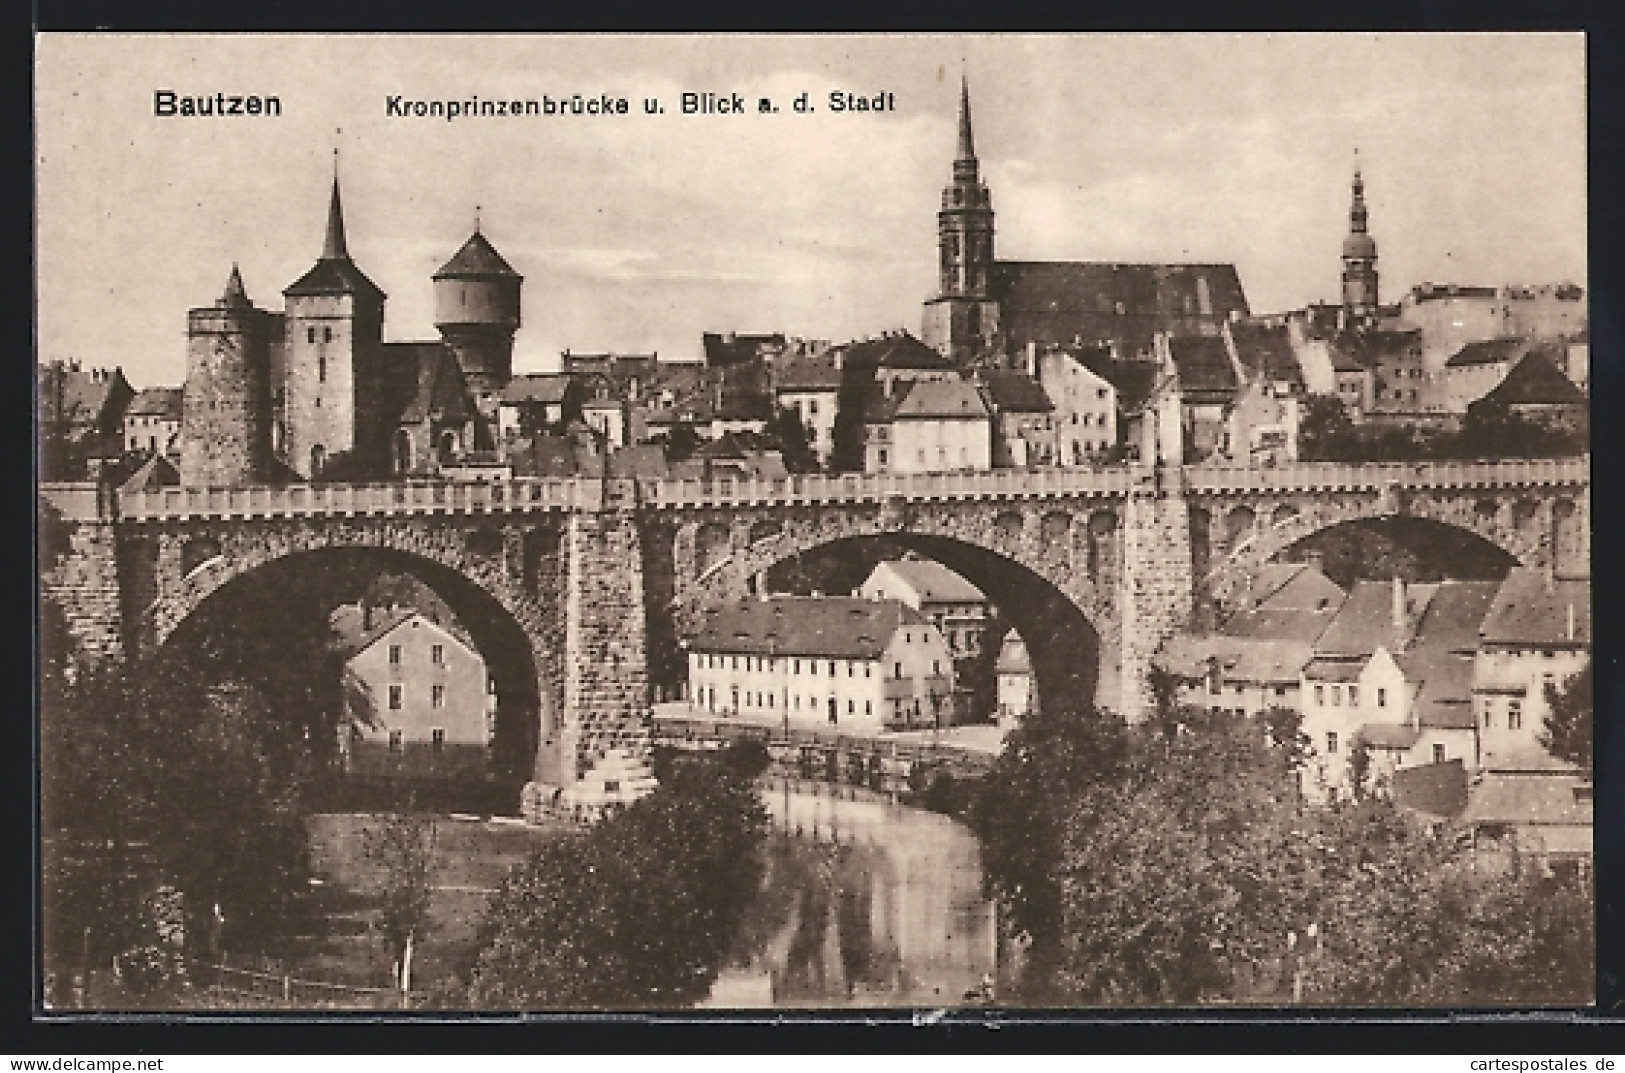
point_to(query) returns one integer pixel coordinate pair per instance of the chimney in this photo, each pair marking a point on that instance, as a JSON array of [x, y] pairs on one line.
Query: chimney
[[1399, 602], [366, 616]]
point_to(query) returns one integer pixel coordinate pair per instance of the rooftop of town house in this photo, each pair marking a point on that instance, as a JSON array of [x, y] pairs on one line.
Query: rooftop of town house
[[1009, 391], [1237, 659], [536, 388], [832, 627], [1265, 351], [1534, 608], [1530, 798], [162, 402], [931, 581], [1366, 621], [1535, 381], [1204, 369], [807, 373], [1398, 736]]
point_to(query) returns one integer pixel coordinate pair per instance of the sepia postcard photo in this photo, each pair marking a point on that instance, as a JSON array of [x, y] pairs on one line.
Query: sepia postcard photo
[[724, 522]]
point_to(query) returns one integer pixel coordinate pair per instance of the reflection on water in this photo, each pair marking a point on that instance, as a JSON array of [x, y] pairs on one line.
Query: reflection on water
[[863, 903]]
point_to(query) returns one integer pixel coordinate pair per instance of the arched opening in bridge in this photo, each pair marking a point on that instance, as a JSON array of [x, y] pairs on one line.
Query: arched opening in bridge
[[1062, 644], [1412, 549], [270, 629]]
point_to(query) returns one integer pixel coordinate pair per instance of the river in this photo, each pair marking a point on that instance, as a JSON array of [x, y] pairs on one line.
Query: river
[[864, 903]]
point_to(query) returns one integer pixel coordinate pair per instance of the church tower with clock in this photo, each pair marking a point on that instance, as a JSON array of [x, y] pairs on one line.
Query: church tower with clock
[[226, 405]]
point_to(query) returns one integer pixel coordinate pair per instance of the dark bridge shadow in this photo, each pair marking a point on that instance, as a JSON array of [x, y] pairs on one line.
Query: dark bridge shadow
[[268, 627]]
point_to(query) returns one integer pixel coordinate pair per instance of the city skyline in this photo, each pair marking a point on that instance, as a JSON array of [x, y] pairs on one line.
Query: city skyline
[[639, 232]]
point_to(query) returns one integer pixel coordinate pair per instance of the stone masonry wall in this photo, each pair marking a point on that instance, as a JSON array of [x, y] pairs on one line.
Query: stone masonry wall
[[83, 584], [1156, 589], [606, 679]]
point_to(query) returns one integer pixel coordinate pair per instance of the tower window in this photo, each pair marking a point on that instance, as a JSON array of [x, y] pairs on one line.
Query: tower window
[[321, 368]]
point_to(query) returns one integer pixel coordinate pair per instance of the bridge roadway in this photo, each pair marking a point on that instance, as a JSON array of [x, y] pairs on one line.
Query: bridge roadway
[[540, 495]]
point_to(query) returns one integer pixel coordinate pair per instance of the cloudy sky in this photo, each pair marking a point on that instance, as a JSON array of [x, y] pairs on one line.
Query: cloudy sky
[[641, 231]]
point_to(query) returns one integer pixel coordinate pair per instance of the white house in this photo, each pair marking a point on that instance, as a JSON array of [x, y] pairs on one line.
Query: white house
[[1086, 406], [927, 426], [953, 605], [1015, 681], [1537, 633], [820, 662], [811, 386]]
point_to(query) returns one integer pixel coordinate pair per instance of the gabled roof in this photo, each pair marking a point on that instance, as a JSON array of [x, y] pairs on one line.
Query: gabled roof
[[938, 399], [155, 472], [1238, 659], [86, 396], [833, 627], [1365, 621], [162, 402], [1203, 365], [1388, 735], [807, 374], [1535, 380], [421, 381], [897, 351], [478, 259], [1285, 601], [1488, 352], [1098, 302], [1531, 609], [931, 581], [1134, 380], [1445, 699], [1016, 392], [536, 388], [1265, 351], [348, 622]]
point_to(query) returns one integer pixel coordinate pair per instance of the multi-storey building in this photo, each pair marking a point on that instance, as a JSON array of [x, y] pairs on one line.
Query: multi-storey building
[[1537, 633], [417, 697], [822, 662], [152, 422]]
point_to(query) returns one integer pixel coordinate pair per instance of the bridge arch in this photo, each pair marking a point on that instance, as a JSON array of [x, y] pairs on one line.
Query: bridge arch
[[1524, 531], [1052, 576], [517, 637]]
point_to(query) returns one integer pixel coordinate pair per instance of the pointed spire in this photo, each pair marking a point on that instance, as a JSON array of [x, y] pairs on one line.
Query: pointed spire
[[334, 248], [1357, 209], [476, 219], [236, 295], [967, 144]]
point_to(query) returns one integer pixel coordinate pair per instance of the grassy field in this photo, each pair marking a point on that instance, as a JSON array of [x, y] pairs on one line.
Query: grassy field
[[471, 858]]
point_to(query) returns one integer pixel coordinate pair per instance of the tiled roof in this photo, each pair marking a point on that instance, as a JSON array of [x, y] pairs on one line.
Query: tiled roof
[[1266, 350], [1531, 799], [1529, 609], [737, 349], [155, 472], [1334, 670], [1133, 379], [933, 581], [936, 399], [421, 381], [897, 351], [1204, 368], [84, 394], [1097, 302], [543, 456], [834, 627], [1388, 735], [477, 259], [644, 462], [1535, 380], [156, 402], [1365, 621], [1239, 659], [807, 374], [1285, 601], [1016, 392], [1013, 656], [1445, 699], [334, 275], [1354, 350], [1487, 351], [348, 622], [536, 388]]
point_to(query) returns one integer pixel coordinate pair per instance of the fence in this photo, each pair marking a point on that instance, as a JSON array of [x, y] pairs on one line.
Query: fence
[[234, 985]]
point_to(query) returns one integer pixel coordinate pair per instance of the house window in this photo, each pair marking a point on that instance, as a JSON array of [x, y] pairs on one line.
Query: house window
[[612, 786], [395, 698], [1354, 696], [1438, 753], [395, 654], [1382, 697], [832, 668], [797, 668], [437, 697], [1337, 696], [321, 368], [437, 653], [866, 668], [1320, 696], [395, 741], [899, 670], [437, 739], [1331, 741], [1489, 713], [327, 334], [1514, 715], [868, 708]]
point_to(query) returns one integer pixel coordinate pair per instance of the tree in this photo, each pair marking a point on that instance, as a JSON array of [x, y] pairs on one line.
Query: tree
[[402, 847], [1325, 432], [791, 436], [1568, 729], [641, 910]]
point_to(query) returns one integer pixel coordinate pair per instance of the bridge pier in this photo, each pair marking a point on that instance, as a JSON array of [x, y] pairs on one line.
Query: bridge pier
[[1156, 589], [603, 734], [79, 572]]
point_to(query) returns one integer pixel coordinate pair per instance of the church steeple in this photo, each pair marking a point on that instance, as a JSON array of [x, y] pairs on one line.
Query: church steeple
[[1359, 257], [334, 247], [965, 222]]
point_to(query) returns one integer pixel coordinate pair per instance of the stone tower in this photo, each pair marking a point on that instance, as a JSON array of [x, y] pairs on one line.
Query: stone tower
[[963, 318], [476, 308], [1359, 260], [334, 323], [226, 404]]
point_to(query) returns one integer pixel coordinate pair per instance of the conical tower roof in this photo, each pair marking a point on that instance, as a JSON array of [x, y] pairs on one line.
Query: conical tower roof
[[478, 259], [967, 142], [236, 295]]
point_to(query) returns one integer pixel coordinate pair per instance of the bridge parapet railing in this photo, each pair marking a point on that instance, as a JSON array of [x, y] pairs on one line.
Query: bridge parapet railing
[[877, 487], [403, 498], [1310, 476]]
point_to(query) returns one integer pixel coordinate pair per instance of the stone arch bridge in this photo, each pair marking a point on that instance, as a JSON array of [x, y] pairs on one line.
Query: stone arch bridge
[[587, 580]]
